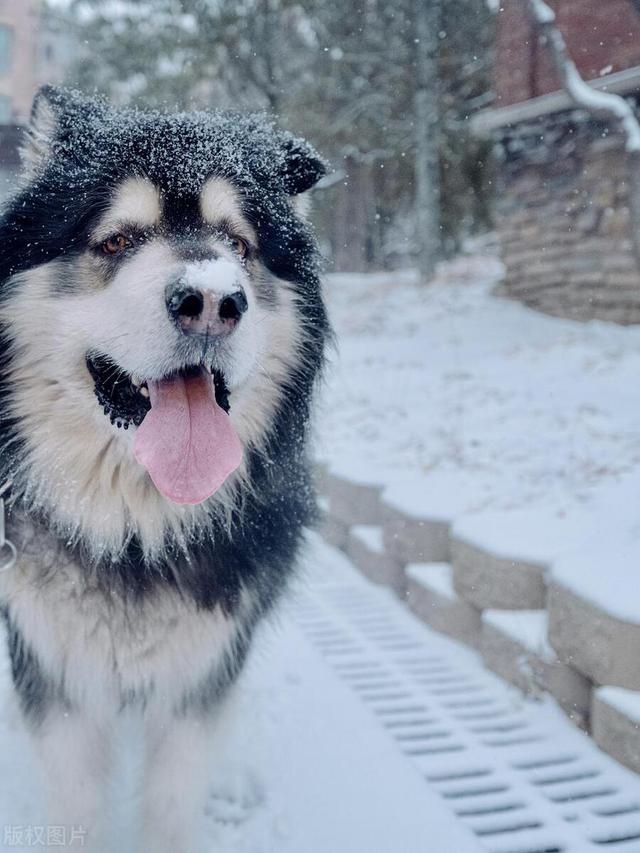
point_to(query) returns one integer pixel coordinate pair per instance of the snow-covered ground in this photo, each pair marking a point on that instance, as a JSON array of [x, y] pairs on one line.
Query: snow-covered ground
[[360, 730], [466, 405]]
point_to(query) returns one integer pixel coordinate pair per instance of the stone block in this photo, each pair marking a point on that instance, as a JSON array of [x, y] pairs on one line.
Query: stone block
[[615, 718], [352, 502], [431, 596], [514, 645], [511, 660], [415, 540], [572, 691], [365, 547], [489, 581], [333, 530], [597, 644]]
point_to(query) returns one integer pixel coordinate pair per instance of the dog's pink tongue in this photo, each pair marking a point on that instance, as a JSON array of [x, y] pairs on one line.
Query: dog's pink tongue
[[187, 442]]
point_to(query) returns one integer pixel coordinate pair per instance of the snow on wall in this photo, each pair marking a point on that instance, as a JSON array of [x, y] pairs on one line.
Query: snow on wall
[[563, 219]]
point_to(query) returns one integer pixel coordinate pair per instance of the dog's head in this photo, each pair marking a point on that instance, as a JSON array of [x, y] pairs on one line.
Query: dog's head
[[160, 306]]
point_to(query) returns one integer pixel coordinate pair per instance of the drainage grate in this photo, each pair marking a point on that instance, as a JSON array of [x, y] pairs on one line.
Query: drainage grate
[[516, 772]]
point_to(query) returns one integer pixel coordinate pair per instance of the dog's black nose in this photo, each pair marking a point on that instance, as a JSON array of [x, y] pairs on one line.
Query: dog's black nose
[[233, 307], [204, 311], [185, 302]]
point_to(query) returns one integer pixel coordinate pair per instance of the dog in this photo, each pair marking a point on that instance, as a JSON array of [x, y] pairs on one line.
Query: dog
[[162, 332]]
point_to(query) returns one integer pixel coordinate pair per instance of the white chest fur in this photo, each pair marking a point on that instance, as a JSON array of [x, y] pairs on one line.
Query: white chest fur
[[102, 649]]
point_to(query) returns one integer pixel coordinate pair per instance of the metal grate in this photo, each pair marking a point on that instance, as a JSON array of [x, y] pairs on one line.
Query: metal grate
[[516, 772]]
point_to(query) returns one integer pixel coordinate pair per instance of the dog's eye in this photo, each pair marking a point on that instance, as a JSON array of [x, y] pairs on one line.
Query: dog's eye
[[238, 245], [116, 244]]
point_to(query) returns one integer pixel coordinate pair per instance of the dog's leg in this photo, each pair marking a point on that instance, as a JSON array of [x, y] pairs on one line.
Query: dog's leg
[[75, 755], [176, 779]]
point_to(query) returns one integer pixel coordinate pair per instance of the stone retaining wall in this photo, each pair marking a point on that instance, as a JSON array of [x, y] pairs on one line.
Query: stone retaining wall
[[577, 649], [563, 219]]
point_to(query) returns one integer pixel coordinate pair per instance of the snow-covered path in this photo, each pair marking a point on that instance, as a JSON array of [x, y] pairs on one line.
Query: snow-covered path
[[361, 731]]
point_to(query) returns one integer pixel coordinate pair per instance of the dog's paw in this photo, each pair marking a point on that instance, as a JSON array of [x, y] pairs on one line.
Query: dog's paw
[[235, 797]]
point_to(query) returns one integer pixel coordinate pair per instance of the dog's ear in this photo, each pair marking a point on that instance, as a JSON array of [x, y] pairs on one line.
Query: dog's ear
[[48, 105], [303, 167]]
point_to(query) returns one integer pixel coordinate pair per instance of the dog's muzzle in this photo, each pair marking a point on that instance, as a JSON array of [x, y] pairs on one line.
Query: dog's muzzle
[[205, 312]]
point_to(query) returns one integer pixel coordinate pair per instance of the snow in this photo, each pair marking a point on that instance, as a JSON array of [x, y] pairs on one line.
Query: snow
[[543, 13], [369, 535], [437, 577], [323, 504], [316, 750], [627, 702], [449, 493], [604, 568], [533, 535], [518, 429], [592, 549], [581, 92], [527, 627]]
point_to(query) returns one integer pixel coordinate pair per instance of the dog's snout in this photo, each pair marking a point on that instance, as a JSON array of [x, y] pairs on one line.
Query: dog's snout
[[205, 311], [232, 307]]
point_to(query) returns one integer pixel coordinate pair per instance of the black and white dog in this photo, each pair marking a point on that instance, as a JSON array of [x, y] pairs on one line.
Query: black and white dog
[[162, 330]]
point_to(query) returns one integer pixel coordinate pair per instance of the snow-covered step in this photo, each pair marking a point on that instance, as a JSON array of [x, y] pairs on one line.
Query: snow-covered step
[[431, 596], [514, 644], [594, 640], [365, 547], [516, 773], [616, 724], [594, 613], [492, 567]]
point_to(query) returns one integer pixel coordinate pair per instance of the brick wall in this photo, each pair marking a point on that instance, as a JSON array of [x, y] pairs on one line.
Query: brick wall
[[603, 36], [563, 220]]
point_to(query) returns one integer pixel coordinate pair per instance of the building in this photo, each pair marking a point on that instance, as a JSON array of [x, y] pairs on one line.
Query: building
[[35, 48], [562, 209]]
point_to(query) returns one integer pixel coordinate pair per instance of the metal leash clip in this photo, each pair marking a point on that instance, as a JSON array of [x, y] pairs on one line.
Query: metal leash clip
[[8, 553]]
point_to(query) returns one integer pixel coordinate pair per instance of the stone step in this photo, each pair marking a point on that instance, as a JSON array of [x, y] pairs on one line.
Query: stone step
[[365, 547], [514, 645], [593, 641], [415, 540], [491, 581], [615, 719], [431, 596], [352, 502]]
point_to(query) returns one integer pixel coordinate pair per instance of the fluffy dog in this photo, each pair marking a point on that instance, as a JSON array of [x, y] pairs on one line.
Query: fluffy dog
[[162, 330]]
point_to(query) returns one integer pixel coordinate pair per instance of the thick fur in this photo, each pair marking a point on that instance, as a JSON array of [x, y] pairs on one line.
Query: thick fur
[[122, 599]]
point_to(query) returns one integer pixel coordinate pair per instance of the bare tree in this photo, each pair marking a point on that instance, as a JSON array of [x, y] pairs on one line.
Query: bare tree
[[344, 73], [427, 184], [594, 101]]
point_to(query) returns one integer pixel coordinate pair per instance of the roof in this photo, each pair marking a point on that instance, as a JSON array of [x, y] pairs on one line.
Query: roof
[[625, 82]]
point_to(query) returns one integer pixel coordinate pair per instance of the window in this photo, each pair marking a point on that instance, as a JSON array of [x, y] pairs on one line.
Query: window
[[6, 48]]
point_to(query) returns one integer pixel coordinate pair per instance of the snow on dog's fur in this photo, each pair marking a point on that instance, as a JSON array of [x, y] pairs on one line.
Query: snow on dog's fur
[[150, 254]]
